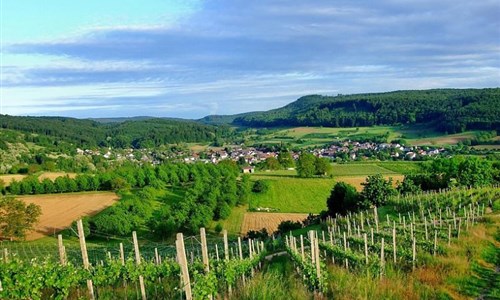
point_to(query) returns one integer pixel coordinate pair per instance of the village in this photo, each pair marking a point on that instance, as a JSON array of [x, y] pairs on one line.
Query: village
[[252, 156]]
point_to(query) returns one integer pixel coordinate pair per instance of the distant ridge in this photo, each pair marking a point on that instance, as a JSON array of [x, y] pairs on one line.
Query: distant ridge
[[451, 110]]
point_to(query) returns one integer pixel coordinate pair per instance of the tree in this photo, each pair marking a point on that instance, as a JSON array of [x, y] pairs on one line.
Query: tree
[[2, 187], [376, 190], [272, 163], [285, 159], [260, 186], [475, 172], [245, 187], [16, 218], [343, 199], [305, 165], [408, 186], [322, 165]]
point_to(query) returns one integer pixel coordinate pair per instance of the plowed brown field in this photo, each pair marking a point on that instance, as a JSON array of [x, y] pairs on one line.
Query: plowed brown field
[[258, 220], [60, 210]]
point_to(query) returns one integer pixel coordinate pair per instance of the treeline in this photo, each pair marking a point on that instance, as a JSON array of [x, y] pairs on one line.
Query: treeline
[[451, 110], [210, 193], [47, 131]]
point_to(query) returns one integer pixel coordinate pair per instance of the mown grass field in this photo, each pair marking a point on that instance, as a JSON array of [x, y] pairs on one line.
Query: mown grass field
[[359, 169], [292, 194]]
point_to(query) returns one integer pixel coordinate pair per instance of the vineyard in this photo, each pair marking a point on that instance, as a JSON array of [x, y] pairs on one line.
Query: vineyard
[[404, 235]]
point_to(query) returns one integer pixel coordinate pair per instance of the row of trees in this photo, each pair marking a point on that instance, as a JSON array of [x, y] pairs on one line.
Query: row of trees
[[309, 165], [208, 193]]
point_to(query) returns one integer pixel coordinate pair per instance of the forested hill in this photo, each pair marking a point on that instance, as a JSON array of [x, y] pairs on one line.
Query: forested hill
[[451, 110], [87, 133]]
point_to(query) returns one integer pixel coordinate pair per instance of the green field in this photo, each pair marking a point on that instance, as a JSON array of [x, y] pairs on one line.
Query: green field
[[293, 195], [233, 223], [359, 169]]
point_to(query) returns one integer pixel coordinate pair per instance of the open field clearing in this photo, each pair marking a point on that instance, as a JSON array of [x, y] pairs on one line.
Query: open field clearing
[[233, 223], [7, 179], [293, 195], [270, 221], [487, 147], [53, 175], [60, 210], [451, 139], [356, 181], [359, 169]]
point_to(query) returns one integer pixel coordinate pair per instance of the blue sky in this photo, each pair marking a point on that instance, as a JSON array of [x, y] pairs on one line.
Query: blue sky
[[193, 58]]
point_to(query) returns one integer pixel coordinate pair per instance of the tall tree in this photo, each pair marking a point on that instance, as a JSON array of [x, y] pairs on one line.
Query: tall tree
[[343, 198], [305, 165], [285, 159], [376, 190]]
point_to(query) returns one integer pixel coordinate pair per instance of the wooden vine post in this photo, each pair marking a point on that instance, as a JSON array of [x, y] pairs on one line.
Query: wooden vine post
[[85, 258], [62, 254], [204, 253], [382, 258], [240, 250], [226, 256], [138, 262], [394, 243], [182, 260]]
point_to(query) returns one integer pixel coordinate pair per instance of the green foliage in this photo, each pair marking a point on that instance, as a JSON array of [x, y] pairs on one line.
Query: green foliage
[[306, 165], [131, 133], [343, 199], [16, 218], [272, 163], [408, 186], [450, 110], [260, 186], [475, 172], [322, 165], [376, 191], [286, 160], [287, 226]]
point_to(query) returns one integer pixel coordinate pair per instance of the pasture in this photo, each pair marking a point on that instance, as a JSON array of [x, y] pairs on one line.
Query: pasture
[[60, 210], [293, 194]]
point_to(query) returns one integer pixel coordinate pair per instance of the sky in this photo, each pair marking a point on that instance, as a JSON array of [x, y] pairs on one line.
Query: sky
[[189, 58]]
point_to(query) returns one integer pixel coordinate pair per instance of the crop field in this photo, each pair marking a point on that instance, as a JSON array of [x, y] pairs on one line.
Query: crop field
[[270, 221], [451, 139], [7, 179], [356, 181], [53, 175], [60, 210], [292, 194]]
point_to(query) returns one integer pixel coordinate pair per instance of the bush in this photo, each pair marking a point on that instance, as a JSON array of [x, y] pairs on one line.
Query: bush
[[260, 186], [218, 228], [287, 226], [261, 234]]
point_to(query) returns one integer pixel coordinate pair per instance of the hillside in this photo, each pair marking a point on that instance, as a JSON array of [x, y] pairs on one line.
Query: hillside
[[450, 110], [120, 134]]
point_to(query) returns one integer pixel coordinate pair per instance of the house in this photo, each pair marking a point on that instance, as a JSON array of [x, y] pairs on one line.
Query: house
[[248, 170]]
